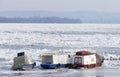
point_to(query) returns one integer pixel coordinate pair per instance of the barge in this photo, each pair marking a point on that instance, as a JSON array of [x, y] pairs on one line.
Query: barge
[[54, 61]]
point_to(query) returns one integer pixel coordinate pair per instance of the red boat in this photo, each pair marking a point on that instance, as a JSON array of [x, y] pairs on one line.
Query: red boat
[[86, 59]]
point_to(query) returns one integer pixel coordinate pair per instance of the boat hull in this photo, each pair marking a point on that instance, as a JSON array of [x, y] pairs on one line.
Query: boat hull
[[77, 66], [25, 67], [53, 66]]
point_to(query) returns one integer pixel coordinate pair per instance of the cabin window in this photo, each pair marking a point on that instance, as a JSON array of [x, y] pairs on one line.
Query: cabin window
[[78, 60]]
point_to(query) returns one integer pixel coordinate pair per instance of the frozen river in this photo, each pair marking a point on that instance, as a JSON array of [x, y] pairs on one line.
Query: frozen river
[[35, 39]]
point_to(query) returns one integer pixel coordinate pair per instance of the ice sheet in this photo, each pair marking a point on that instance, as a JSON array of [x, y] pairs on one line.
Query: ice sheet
[[37, 39]]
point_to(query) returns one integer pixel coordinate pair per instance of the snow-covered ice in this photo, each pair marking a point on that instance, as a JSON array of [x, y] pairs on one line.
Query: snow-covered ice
[[37, 39]]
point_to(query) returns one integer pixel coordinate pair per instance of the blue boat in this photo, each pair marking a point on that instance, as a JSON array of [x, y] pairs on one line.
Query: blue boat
[[54, 61]]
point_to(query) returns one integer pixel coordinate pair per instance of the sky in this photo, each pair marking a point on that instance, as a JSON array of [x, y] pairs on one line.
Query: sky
[[61, 5]]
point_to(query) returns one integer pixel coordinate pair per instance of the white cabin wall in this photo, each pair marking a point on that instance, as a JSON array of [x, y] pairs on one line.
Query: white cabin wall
[[21, 60], [89, 59], [62, 59]]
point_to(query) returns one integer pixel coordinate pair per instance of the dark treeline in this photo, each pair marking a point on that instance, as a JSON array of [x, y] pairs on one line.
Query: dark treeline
[[38, 20]]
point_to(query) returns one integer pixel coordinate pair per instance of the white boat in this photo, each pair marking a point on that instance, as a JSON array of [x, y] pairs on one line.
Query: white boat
[[54, 61], [86, 59], [22, 62]]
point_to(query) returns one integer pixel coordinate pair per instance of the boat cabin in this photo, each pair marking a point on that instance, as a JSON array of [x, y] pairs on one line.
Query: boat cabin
[[22, 62]]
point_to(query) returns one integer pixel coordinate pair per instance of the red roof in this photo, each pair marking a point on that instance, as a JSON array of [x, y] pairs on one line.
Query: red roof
[[83, 53]]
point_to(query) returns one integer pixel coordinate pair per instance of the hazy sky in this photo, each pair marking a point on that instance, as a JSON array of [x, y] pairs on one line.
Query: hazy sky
[[61, 5]]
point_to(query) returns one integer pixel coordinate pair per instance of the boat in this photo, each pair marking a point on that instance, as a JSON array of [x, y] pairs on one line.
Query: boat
[[53, 61], [86, 59], [22, 62]]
